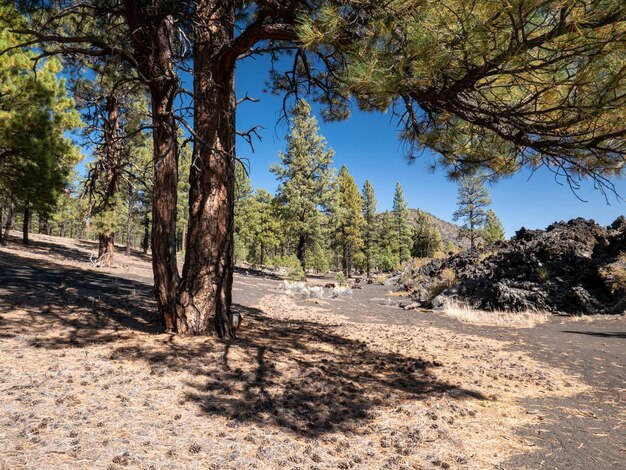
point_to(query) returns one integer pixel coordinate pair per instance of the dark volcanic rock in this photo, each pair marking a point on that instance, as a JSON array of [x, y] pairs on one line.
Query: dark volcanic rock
[[573, 267]]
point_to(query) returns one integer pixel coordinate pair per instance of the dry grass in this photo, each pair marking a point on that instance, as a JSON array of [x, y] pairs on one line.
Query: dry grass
[[467, 314], [87, 382]]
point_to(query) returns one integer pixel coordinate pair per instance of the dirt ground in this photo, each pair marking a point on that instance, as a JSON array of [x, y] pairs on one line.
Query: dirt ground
[[88, 380]]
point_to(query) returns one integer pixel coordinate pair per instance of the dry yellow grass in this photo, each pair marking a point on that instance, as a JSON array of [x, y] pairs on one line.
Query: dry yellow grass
[[84, 383], [467, 314]]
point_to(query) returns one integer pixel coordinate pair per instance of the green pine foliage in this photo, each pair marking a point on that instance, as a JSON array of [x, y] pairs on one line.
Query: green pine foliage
[[36, 157], [387, 257], [491, 86], [306, 181], [349, 220], [493, 231], [473, 199], [426, 237], [402, 230], [370, 228]]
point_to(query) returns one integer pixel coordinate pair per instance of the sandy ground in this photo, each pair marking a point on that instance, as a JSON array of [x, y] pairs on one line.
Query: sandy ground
[[87, 379]]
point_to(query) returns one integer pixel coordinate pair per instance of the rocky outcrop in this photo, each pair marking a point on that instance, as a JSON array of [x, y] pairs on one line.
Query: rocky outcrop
[[571, 267]]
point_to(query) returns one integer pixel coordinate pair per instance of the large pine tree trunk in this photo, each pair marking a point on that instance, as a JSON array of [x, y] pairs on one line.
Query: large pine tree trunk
[[153, 35], [205, 292], [164, 266], [26, 224], [10, 222], [106, 247]]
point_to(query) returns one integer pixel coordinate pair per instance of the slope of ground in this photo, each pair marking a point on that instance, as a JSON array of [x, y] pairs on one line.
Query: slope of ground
[[88, 381]]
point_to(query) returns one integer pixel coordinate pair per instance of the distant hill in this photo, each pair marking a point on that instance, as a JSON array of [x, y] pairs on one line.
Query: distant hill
[[449, 231]]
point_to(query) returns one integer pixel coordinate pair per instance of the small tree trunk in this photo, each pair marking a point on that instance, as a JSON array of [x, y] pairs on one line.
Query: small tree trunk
[[62, 228], [10, 222], [43, 223], [301, 252], [145, 243], [26, 224], [368, 258], [129, 224], [344, 261]]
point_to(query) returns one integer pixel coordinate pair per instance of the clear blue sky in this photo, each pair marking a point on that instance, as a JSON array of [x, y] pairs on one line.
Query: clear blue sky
[[368, 145]]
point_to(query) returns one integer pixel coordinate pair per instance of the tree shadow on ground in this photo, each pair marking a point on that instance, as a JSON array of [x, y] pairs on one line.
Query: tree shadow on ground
[[601, 334], [297, 375], [80, 252], [54, 250], [87, 306], [300, 376]]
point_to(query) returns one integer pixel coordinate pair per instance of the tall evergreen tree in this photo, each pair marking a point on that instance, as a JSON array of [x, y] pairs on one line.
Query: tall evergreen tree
[[264, 226], [493, 231], [402, 225], [426, 238], [35, 112], [369, 231], [387, 242], [306, 180], [472, 200], [349, 220]]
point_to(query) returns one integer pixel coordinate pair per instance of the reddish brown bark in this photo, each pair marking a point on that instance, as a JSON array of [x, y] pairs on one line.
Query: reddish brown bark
[[112, 156], [153, 34], [204, 296], [106, 248]]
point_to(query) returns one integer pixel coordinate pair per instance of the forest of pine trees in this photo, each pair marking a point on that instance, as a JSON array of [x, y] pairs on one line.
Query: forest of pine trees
[[163, 160]]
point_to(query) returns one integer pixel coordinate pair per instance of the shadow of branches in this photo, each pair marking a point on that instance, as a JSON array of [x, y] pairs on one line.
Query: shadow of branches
[[297, 375], [84, 306], [301, 376]]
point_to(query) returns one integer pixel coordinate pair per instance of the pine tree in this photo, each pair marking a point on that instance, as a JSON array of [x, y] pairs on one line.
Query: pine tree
[[402, 226], [349, 221], [369, 231], [266, 228], [483, 90], [35, 112], [472, 200], [182, 205], [387, 242], [426, 237], [493, 231], [306, 180]]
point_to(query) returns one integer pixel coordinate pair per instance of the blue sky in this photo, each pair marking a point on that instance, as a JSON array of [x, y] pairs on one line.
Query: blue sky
[[368, 145]]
